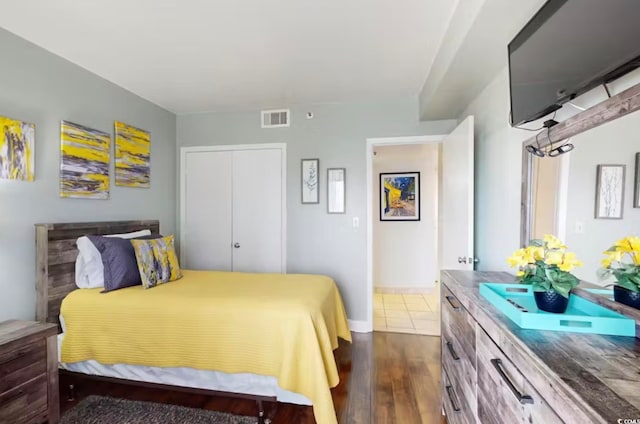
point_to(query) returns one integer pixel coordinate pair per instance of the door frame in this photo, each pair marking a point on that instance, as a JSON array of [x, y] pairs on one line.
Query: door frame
[[371, 143], [237, 147]]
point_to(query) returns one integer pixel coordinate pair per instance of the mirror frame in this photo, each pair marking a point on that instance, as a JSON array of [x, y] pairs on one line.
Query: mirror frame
[[526, 201], [611, 109]]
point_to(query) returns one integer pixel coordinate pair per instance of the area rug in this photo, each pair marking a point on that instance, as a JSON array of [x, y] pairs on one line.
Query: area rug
[[107, 410]]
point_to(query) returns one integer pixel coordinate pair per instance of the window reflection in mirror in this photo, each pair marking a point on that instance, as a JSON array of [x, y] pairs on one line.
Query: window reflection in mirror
[[548, 199], [562, 193]]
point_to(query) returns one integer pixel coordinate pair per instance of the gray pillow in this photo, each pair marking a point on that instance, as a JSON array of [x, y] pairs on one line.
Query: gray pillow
[[119, 261]]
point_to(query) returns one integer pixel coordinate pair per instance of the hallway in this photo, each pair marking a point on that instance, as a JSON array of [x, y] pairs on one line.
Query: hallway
[[415, 313]]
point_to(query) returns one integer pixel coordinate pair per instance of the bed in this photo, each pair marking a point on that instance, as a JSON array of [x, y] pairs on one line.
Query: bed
[[270, 336]]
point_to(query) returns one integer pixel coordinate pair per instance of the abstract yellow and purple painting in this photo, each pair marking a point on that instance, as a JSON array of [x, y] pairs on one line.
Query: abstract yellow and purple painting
[[17, 144], [85, 156], [133, 156]]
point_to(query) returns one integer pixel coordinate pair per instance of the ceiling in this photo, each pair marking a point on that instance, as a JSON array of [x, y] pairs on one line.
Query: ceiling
[[214, 55], [473, 52]]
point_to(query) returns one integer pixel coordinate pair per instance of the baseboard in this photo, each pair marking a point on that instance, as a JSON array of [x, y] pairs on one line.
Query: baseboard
[[404, 290], [360, 326]]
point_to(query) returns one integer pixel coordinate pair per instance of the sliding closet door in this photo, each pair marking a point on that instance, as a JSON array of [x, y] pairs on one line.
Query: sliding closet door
[[257, 210], [207, 219]]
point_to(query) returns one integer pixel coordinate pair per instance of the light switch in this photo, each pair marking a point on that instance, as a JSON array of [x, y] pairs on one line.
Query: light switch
[[579, 227], [356, 222]]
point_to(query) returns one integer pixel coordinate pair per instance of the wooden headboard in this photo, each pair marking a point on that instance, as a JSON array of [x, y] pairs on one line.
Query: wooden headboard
[[56, 254]]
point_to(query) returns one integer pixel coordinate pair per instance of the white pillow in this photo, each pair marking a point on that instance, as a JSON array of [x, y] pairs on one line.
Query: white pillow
[[89, 268], [63, 326]]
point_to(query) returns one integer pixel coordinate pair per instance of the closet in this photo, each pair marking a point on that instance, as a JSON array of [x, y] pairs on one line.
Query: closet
[[232, 212]]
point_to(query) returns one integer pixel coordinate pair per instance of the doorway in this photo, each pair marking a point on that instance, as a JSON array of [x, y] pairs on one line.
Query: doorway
[[548, 192], [455, 212], [403, 180]]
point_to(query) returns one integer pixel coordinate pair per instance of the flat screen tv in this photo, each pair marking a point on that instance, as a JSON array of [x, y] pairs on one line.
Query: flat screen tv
[[566, 49]]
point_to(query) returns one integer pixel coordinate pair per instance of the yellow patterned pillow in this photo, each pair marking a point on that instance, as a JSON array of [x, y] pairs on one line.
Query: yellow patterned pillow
[[157, 261]]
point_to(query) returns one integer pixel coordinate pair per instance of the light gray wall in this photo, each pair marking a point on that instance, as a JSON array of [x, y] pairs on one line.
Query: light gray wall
[[39, 87], [498, 156], [316, 241], [498, 168], [612, 143]]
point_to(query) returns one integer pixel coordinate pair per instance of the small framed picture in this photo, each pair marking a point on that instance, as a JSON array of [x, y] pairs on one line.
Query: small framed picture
[[636, 187], [310, 180], [336, 183], [610, 191], [400, 196]]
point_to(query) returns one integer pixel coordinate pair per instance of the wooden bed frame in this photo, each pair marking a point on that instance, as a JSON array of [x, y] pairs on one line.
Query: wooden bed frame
[[56, 254]]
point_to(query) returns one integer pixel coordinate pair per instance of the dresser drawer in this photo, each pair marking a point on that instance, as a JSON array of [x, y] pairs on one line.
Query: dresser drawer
[[26, 403], [504, 394], [458, 326], [456, 410], [22, 364], [460, 375]]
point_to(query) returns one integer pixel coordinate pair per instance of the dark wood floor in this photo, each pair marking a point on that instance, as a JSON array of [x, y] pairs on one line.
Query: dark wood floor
[[385, 378]]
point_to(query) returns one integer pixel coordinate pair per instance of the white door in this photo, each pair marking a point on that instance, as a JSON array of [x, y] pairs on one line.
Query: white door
[[206, 230], [456, 206], [232, 209], [257, 210]]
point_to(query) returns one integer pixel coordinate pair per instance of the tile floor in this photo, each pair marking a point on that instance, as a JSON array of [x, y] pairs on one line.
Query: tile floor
[[415, 313]]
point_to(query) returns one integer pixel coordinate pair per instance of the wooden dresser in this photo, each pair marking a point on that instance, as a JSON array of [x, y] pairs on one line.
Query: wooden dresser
[[495, 372], [28, 373]]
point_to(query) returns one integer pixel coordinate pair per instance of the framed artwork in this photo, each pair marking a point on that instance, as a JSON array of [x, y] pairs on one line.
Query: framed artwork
[[133, 156], [336, 183], [17, 149], [400, 196], [636, 187], [609, 191], [85, 156], [310, 181]]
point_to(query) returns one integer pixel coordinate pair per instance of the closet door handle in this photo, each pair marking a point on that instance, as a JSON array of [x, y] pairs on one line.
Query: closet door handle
[[523, 399], [451, 395], [236, 245], [453, 353], [450, 300]]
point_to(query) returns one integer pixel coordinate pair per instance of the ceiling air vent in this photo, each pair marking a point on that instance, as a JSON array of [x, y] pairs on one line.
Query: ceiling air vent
[[275, 118]]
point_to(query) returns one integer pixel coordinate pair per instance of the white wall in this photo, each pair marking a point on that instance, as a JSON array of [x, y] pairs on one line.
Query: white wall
[[405, 252], [39, 87], [318, 242]]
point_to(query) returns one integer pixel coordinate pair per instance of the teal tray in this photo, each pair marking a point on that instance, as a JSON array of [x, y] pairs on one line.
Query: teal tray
[[582, 316]]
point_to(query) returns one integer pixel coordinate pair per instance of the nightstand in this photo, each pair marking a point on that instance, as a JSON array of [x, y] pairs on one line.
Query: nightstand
[[28, 373]]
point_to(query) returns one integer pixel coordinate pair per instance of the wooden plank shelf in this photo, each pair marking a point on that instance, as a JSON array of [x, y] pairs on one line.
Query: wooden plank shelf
[[616, 107]]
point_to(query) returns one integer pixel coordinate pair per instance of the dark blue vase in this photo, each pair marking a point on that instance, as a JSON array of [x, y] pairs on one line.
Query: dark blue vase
[[626, 296], [551, 301]]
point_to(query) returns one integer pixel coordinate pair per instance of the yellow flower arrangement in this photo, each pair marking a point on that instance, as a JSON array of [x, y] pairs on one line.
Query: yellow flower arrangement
[[627, 273], [546, 265]]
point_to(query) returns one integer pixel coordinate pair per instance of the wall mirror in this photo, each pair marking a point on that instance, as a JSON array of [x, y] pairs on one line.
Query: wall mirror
[[585, 197], [336, 190]]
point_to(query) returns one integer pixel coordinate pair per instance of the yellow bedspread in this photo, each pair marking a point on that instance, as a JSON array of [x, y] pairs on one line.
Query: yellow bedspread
[[285, 326]]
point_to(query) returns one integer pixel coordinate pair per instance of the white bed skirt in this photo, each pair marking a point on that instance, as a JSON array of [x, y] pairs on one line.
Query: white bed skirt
[[245, 383]]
